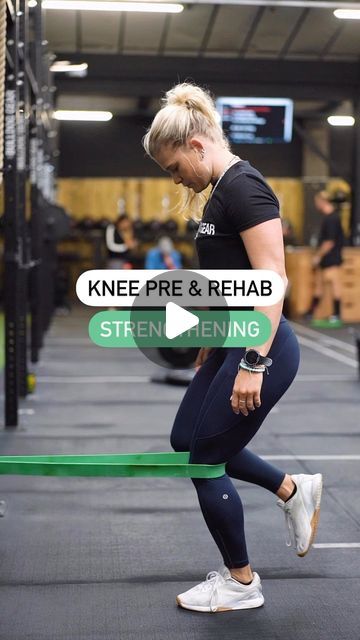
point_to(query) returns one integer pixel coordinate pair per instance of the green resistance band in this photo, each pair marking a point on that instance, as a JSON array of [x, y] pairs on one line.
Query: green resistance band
[[134, 465]]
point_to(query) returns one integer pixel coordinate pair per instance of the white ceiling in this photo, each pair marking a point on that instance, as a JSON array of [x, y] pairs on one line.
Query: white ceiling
[[220, 30], [246, 33]]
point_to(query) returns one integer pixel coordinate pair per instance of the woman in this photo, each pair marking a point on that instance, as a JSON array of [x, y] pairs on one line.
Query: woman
[[120, 243], [230, 397]]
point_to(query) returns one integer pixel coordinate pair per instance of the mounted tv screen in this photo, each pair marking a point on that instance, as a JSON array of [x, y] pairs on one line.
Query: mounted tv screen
[[256, 120]]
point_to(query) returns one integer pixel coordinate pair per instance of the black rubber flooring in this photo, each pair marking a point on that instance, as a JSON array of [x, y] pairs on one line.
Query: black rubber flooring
[[103, 559]]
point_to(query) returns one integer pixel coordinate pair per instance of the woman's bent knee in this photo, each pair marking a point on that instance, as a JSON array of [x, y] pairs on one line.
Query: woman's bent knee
[[178, 442]]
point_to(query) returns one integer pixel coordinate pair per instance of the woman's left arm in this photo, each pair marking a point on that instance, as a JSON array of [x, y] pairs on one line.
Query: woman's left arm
[[265, 248]]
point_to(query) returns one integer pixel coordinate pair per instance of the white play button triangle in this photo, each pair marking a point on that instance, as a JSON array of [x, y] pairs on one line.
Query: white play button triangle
[[178, 320]]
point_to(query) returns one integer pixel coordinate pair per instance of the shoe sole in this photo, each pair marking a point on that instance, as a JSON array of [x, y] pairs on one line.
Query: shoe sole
[[315, 519], [254, 604]]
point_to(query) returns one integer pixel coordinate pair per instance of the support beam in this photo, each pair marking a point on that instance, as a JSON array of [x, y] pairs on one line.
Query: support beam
[[129, 75], [355, 210], [12, 223]]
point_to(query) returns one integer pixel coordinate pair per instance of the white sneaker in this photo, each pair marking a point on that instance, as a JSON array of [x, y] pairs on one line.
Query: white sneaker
[[302, 511], [220, 592]]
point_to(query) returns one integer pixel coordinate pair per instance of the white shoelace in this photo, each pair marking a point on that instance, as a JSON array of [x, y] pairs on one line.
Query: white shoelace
[[212, 581]]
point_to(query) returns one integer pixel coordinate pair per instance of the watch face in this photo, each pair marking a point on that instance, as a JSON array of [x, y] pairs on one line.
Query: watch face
[[252, 356]]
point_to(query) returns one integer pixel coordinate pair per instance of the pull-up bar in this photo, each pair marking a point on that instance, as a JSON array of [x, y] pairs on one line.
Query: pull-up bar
[[175, 464]]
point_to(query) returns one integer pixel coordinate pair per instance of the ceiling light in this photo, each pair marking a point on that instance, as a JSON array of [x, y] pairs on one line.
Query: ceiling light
[[67, 67], [93, 5], [341, 121], [347, 14], [84, 116]]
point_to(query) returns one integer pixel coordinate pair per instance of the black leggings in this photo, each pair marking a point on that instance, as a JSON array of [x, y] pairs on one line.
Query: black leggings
[[206, 426]]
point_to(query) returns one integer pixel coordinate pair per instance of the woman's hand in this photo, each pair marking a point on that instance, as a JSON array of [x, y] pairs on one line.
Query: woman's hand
[[246, 392], [202, 356]]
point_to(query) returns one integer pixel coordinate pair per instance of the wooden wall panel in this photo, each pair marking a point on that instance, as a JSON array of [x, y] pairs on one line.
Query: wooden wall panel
[[147, 198], [290, 194], [301, 278], [91, 198], [159, 198]]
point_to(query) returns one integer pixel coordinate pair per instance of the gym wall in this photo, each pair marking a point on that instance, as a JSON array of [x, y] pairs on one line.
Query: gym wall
[[149, 198], [107, 158], [113, 149], [113, 152]]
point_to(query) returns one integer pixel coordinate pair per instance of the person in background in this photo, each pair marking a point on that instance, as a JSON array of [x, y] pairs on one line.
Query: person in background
[[288, 232], [164, 256], [120, 243], [328, 259]]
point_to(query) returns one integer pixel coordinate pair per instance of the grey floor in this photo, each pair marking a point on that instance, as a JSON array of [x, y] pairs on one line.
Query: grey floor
[[103, 559]]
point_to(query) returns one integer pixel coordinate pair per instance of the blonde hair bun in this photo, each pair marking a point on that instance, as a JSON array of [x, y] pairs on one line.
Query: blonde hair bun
[[187, 110], [192, 97]]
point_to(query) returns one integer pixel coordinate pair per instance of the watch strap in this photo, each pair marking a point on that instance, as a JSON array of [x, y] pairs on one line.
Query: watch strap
[[262, 360]]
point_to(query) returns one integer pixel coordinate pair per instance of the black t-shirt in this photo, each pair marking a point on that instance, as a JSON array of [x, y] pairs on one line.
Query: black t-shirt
[[241, 200], [331, 229]]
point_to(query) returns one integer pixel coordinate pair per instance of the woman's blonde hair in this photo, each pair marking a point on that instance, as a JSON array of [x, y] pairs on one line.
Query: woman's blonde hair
[[187, 110]]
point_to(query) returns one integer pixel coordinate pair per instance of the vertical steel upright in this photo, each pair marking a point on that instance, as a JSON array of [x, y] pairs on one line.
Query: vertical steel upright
[[28, 131], [12, 237], [21, 166], [49, 245], [355, 208], [36, 170]]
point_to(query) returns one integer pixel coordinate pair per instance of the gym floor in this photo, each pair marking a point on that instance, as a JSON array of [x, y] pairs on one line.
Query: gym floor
[[103, 559]]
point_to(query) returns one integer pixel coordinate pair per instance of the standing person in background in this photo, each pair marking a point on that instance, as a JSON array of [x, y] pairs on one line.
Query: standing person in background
[[120, 243], [328, 259], [288, 232], [164, 256]]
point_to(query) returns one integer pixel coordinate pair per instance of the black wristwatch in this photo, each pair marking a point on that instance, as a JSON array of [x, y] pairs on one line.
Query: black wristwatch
[[253, 358]]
